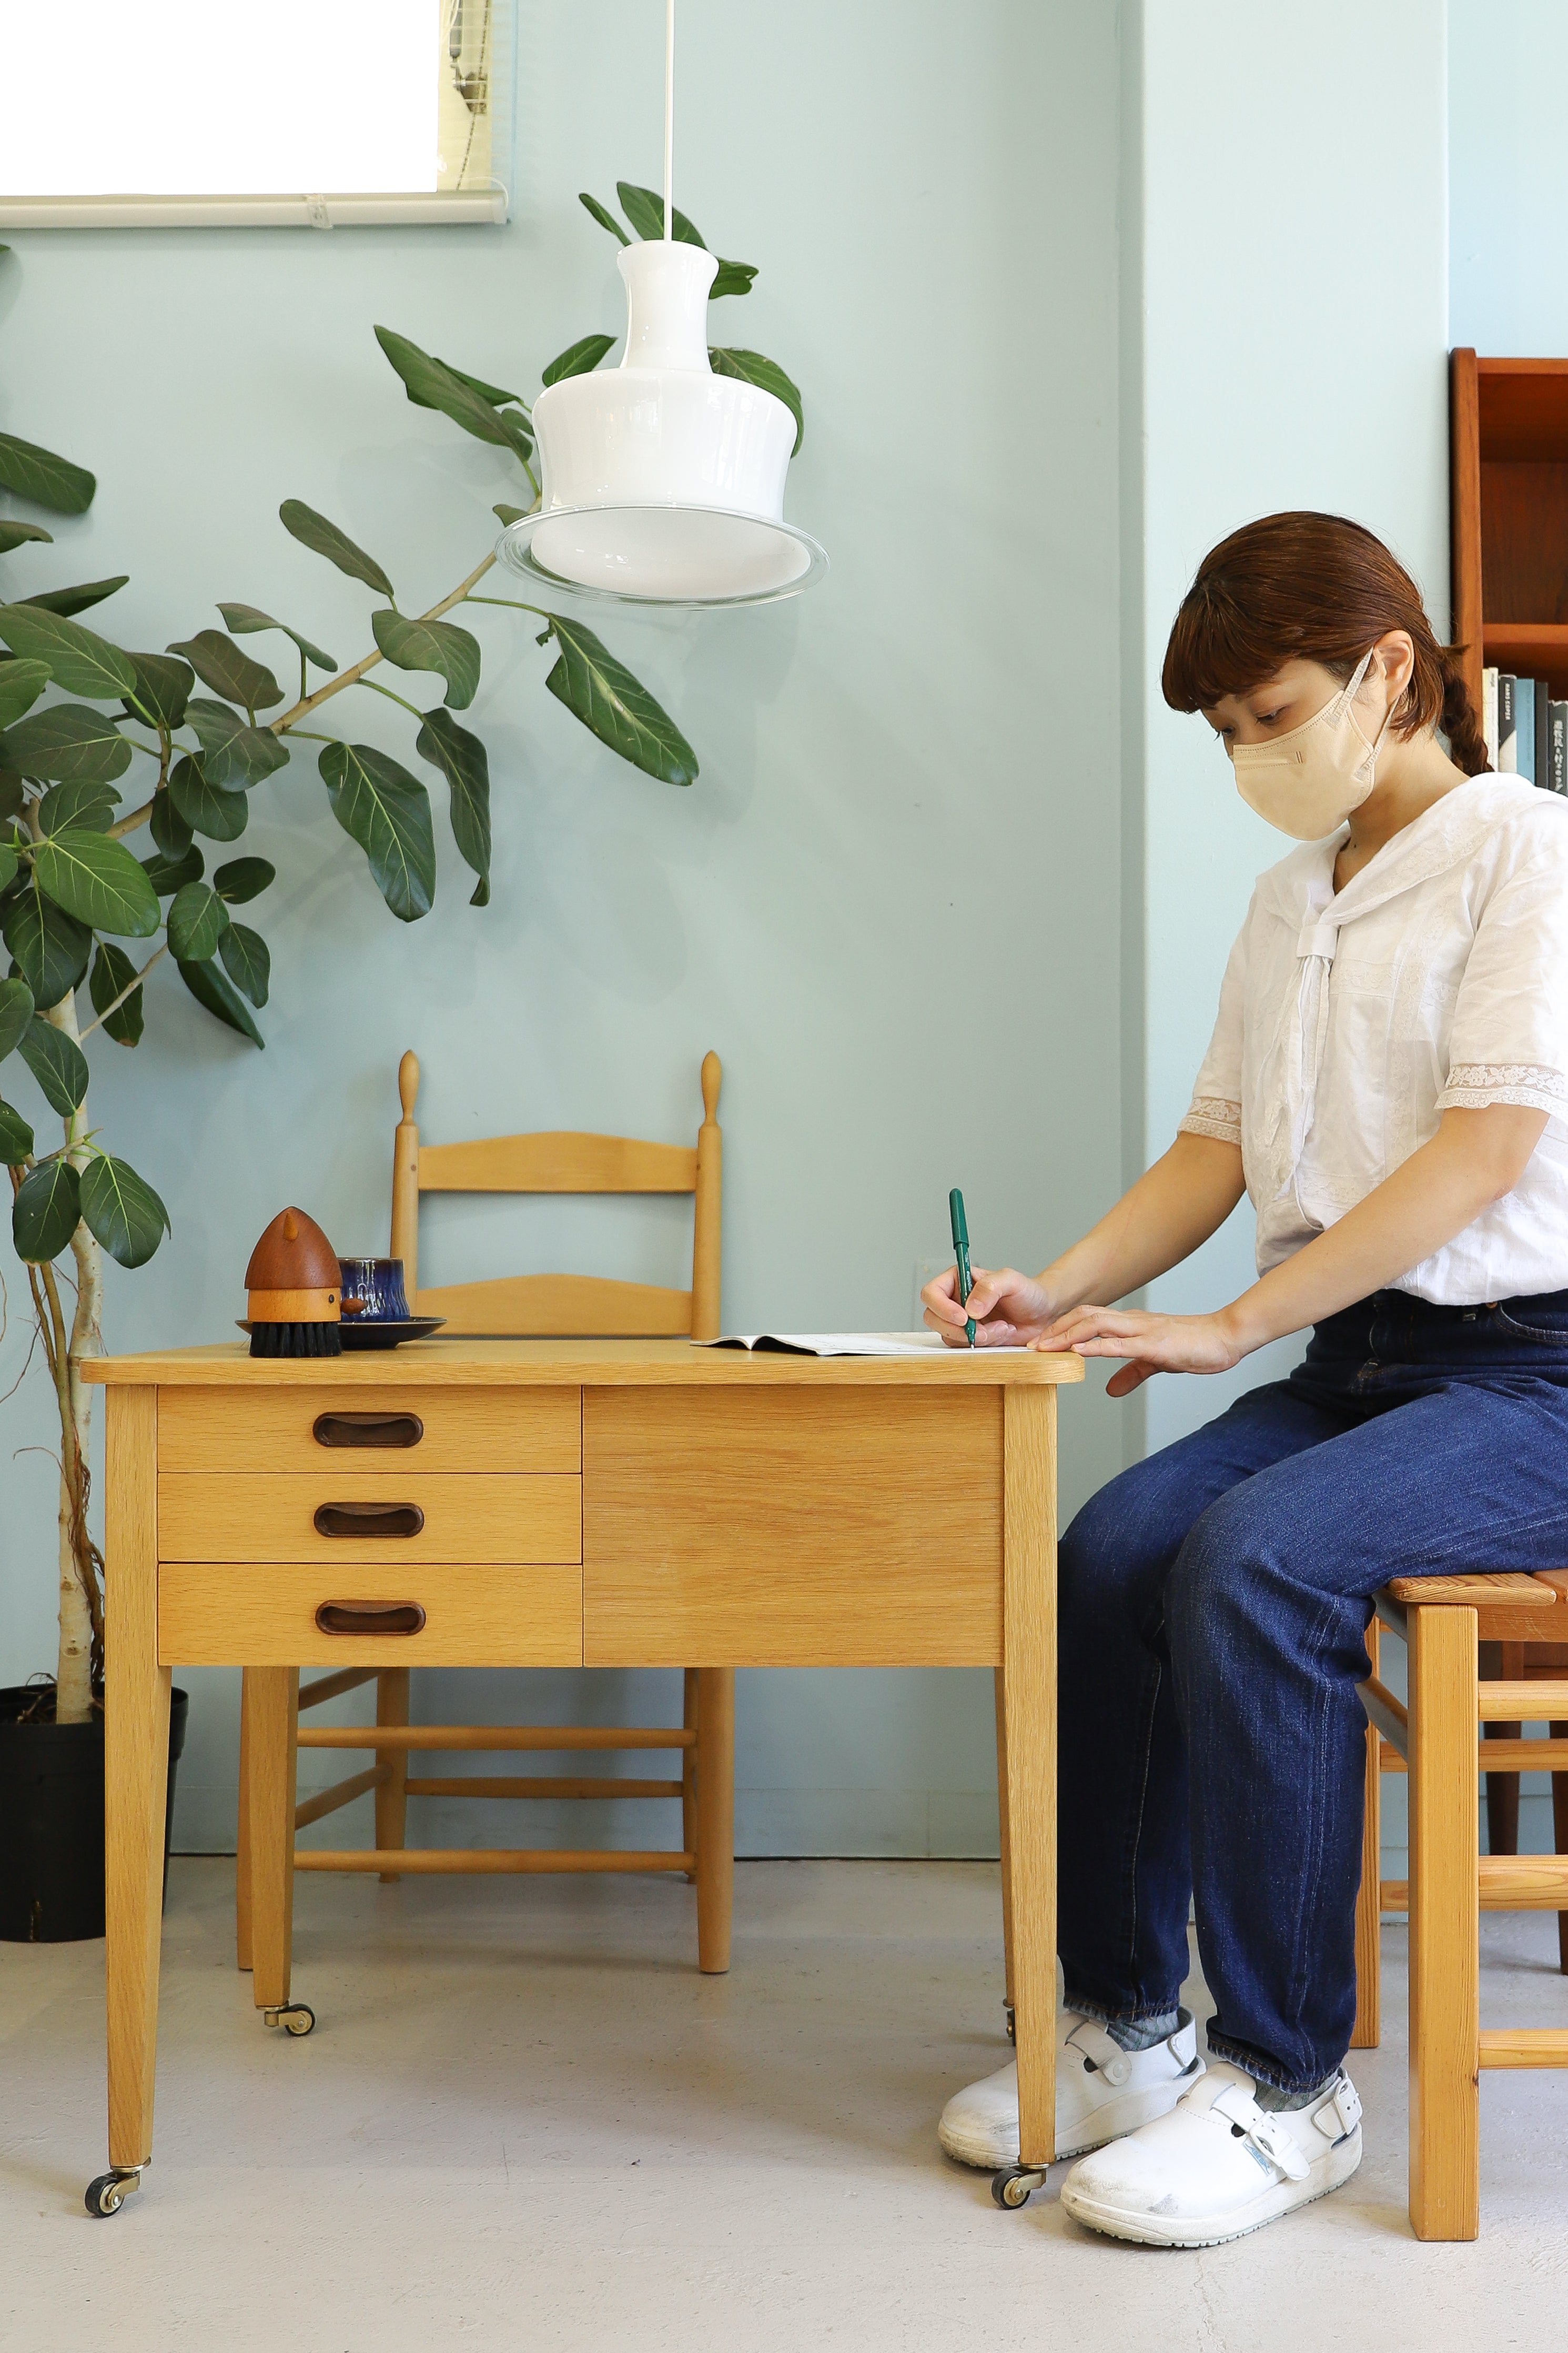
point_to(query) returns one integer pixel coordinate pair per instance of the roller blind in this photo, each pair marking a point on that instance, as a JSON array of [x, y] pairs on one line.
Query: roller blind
[[165, 112]]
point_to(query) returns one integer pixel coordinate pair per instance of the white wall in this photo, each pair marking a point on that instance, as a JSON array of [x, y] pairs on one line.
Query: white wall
[[891, 901]]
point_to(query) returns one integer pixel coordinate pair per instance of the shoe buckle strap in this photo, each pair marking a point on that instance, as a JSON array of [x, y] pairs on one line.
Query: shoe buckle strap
[[1266, 2133], [1343, 2105], [1090, 2039]]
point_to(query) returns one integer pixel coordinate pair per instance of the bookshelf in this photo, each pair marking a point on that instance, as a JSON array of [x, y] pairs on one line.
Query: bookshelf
[[1508, 433]]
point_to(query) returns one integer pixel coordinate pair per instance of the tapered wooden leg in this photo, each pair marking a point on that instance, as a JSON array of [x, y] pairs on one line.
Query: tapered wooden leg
[[688, 1767], [274, 1724], [1507, 1660], [136, 1770], [1444, 1926], [392, 1795], [1029, 1670], [1369, 1896], [715, 1816], [1006, 1858], [1560, 1840], [242, 1841]]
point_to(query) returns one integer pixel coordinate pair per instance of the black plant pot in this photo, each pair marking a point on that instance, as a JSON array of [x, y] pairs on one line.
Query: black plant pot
[[51, 1822]]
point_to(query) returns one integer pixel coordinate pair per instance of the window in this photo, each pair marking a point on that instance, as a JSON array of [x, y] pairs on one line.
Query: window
[[171, 112]]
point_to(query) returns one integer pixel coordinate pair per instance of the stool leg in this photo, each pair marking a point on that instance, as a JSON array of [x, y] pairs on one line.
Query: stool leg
[[392, 1795], [242, 1842], [1502, 1788], [1364, 2035], [715, 1816], [1005, 1847], [688, 1767], [1444, 1926], [1559, 1842]]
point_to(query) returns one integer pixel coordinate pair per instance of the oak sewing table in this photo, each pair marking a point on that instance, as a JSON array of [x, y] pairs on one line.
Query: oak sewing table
[[555, 1502]]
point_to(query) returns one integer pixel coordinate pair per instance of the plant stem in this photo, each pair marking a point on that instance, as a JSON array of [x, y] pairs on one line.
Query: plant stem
[[371, 686], [351, 676], [80, 1623], [129, 989]]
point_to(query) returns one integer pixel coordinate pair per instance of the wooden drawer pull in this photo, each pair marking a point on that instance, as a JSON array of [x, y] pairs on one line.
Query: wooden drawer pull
[[368, 1519], [367, 1430], [370, 1618]]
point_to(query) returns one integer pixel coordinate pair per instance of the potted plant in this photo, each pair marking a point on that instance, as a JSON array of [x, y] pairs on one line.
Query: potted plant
[[101, 747]]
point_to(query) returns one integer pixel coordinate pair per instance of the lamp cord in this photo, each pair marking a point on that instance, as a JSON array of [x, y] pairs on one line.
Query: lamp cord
[[669, 118]]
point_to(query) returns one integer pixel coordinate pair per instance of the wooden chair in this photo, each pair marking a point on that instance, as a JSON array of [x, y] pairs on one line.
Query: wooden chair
[[540, 1306], [1444, 1620]]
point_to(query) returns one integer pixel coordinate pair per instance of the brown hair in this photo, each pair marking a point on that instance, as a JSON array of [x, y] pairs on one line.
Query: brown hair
[[1312, 587]]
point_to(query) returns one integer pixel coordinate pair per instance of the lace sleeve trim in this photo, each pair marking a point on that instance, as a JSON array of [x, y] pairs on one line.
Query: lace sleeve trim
[[1211, 1115], [1473, 1085]]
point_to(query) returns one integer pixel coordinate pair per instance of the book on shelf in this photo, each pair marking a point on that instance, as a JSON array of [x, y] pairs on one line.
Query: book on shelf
[[1526, 728], [1488, 713], [1507, 741], [1557, 775]]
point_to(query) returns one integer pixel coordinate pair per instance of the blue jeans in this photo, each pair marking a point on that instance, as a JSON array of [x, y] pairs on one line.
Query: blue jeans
[[1215, 1602]]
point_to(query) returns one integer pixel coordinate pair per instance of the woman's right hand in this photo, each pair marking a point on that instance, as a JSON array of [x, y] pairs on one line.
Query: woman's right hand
[[1008, 1309]]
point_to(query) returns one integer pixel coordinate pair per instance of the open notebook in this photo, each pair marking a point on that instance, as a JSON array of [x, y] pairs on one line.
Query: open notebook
[[830, 1344]]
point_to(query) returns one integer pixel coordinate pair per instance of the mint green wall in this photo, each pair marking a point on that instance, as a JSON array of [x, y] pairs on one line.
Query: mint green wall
[[1509, 175], [892, 900]]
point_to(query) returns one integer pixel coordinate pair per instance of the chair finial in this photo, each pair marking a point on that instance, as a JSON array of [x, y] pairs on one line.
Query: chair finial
[[409, 1083], [712, 1075]]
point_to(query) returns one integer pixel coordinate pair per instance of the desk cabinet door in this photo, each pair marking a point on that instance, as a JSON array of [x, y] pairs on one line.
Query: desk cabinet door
[[792, 1527]]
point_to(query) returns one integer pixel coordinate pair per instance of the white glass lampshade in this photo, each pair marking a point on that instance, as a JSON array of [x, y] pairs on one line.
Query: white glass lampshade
[[662, 482]]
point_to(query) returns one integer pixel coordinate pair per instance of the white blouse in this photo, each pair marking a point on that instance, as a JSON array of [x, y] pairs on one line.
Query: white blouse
[[1437, 978]]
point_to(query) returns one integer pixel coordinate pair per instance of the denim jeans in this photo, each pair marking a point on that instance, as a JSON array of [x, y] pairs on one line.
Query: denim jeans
[[1215, 1602]]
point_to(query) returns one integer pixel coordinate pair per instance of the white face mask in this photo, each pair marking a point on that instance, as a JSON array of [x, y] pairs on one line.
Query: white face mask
[[1309, 781]]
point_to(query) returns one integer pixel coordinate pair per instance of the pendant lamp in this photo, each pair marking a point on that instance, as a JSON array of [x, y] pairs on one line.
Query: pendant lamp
[[663, 483]]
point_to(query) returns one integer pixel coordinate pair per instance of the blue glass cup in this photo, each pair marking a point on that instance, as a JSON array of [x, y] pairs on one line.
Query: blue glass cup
[[376, 1285]]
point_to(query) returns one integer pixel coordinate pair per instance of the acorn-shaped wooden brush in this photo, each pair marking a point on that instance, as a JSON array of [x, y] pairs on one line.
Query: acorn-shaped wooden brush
[[294, 1286]]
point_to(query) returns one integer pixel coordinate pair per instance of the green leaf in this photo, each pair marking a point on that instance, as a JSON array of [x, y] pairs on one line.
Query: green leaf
[[606, 219], [13, 534], [495, 393], [15, 1138], [21, 683], [219, 663], [618, 708], [387, 812], [51, 948], [67, 743], [89, 806], [198, 920], [510, 515], [751, 367], [97, 881], [221, 816], [430, 384], [324, 538], [16, 1011], [578, 359], [168, 874], [67, 601], [49, 481], [122, 1210], [244, 620], [79, 661], [162, 688], [439, 645], [56, 1062], [112, 970], [247, 961], [169, 829], [209, 987], [462, 760], [644, 207], [234, 756], [46, 1212], [731, 278], [244, 878]]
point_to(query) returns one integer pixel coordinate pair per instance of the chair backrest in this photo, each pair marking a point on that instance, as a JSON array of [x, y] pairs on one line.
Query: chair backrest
[[578, 1305]]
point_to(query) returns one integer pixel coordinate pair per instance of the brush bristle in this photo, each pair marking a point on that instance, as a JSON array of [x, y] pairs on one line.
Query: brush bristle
[[297, 1340]]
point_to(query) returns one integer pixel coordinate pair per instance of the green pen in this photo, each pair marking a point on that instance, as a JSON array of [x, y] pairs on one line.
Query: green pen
[[961, 1252]]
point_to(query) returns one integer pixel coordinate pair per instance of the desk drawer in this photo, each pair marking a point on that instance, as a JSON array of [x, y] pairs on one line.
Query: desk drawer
[[343, 1512], [217, 1613], [343, 1424]]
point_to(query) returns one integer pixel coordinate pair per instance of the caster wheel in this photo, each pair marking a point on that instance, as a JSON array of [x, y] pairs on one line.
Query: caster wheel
[[1013, 2186], [295, 2018], [108, 2192], [1010, 2014]]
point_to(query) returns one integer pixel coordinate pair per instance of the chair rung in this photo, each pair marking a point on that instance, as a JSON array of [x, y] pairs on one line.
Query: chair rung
[[455, 1736], [1524, 2046], [1394, 1896], [1388, 1713], [341, 1793], [1523, 1756], [327, 1687], [1531, 1703], [1508, 1882], [484, 1861], [540, 1785]]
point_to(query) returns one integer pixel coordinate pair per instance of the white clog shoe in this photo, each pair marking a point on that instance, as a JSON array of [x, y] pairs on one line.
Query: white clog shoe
[[1217, 2165], [1103, 2091]]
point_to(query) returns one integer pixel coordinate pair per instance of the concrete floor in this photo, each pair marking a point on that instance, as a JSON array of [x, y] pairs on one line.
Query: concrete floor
[[524, 2121]]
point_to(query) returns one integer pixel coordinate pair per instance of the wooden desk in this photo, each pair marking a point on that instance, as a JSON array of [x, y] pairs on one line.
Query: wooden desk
[[603, 1502]]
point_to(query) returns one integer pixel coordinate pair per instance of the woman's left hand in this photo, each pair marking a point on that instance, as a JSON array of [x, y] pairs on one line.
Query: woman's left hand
[[1156, 1344]]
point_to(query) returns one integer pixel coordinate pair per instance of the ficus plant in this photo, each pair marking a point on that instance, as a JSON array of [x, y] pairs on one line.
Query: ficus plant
[[123, 772]]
